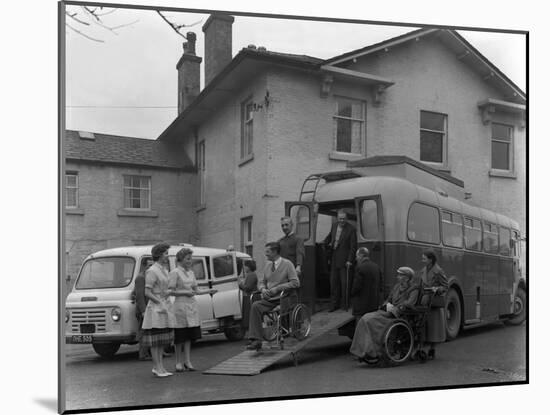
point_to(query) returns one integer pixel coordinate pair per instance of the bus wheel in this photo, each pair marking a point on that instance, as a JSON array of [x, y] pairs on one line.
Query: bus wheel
[[520, 308], [106, 350], [453, 312]]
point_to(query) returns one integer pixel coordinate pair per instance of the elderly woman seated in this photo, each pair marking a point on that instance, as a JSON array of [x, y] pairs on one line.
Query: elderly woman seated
[[367, 340]]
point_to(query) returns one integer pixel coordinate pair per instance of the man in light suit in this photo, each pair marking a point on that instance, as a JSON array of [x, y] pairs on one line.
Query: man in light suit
[[342, 240]]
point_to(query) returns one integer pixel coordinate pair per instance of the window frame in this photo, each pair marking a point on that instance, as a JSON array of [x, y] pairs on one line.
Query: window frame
[[438, 221], [452, 223], [247, 244], [480, 229], [247, 129], [76, 189], [124, 188], [510, 147], [445, 139], [363, 121], [485, 247], [500, 252], [201, 167]]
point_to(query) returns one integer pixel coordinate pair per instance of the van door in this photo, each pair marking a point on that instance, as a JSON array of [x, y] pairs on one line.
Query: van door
[[206, 309], [227, 299], [370, 231], [304, 217]]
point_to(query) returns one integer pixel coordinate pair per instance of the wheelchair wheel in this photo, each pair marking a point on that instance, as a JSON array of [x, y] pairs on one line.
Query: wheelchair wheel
[[300, 321], [270, 326], [398, 341]]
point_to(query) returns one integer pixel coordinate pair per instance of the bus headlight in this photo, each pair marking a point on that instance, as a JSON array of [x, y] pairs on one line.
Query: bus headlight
[[115, 314], [67, 316]]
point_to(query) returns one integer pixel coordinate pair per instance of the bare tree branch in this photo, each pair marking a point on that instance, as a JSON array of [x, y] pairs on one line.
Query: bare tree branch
[[83, 34], [73, 16], [172, 25], [106, 13], [99, 22], [124, 25]]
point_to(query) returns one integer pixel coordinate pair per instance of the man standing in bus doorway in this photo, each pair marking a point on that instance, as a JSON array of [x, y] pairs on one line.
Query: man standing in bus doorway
[[292, 246], [366, 286], [342, 240]]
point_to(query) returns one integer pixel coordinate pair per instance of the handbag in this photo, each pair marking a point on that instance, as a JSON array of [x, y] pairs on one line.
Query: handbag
[[438, 301]]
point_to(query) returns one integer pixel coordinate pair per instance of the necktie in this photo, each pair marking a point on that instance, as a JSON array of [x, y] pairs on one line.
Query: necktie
[[273, 266]]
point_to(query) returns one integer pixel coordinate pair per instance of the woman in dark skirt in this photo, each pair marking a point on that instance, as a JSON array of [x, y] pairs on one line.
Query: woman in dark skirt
[[248, 283], [158, 319], [433, 276], [183, 286]]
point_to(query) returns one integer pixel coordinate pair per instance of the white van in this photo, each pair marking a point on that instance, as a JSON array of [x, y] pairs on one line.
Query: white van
[[100, 309]]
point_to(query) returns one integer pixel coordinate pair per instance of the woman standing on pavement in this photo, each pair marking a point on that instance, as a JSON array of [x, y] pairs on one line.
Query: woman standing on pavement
[[158, 319], [433, 276], [183, 286], [248, 283]]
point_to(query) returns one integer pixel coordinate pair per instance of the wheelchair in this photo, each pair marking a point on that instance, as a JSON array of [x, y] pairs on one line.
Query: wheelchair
[[403, 338], [294, 322]]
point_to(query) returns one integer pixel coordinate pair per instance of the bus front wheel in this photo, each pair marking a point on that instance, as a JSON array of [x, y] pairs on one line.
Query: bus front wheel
[[453, 312], [106, 350], [520, 304]]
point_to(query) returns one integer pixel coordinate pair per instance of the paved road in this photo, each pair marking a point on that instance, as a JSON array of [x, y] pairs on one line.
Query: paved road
[[490, 354]]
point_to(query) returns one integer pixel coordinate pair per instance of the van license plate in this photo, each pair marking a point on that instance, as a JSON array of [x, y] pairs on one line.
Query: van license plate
[[81, 339]]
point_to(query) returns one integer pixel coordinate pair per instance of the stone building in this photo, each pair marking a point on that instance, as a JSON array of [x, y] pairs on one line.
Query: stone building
[[124, 191], [266, 120]]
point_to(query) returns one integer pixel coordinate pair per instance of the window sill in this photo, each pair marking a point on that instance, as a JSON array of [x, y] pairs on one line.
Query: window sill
[[74, 211], [200, 208], [502, 173], [443, 168], [338, 155], [138, 213], [246, 159]]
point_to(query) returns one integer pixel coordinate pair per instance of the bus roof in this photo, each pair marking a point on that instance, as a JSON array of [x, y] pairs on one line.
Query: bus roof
[[142, 250], [396, 191]]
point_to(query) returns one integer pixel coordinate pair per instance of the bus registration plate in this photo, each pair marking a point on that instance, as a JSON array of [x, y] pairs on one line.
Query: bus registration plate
[[81, 338]]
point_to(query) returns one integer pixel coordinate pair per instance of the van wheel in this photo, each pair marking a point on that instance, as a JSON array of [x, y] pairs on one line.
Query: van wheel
[[453, 313], [106, 350], [520, 308], [234, 333]]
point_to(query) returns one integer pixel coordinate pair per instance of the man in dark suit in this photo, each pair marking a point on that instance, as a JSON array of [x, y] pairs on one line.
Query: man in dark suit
[[366, 286], [292, 246], [342, 240]]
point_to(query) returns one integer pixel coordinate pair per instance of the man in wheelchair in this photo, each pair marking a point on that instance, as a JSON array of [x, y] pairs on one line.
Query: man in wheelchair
[[279, 276], [368, 337]]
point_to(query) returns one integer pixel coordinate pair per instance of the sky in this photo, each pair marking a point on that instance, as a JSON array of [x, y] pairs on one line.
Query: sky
[[127, 83]]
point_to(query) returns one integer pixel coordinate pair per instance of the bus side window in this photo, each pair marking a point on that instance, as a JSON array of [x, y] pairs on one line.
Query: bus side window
[[423, 223], [369, 219], [490, 238], [472, 234], [505, 241], [452, 229]]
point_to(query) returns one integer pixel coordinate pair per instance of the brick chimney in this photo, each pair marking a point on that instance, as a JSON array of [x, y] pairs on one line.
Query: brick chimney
[[189, 71], [217, 44]]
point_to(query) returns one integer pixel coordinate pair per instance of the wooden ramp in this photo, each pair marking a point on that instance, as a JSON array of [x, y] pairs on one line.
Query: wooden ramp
[[251, 362]]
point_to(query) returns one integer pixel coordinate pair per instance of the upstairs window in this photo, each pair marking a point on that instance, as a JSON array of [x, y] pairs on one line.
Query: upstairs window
[[137, 192], [247, 128], [349, 125], [501, 146], [433, 137], [71, 187]]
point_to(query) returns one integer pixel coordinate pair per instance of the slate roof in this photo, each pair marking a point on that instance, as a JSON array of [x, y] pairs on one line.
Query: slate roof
[[114, 149]]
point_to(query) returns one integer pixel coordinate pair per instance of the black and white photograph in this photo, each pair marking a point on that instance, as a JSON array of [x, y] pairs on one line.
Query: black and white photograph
[[277, 208], [263, 207]]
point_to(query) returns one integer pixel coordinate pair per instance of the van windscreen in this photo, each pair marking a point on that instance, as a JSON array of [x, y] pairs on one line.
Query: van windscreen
[[112, 272]]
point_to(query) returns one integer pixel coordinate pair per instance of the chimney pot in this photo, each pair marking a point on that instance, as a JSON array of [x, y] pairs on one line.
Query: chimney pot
[[252, 47], [262, 49], [191, 41], [188, 73]]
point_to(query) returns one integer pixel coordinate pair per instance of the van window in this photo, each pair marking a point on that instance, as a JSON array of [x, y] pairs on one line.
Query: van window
[[423, 223], [223, 266], [114, 272], [490, 238], [198, 269], [505, 241], [300, 217], [472, 234], [369, 219], [452, 229]]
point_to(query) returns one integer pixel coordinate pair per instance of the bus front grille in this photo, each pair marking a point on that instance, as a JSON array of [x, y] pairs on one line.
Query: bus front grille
[[88, 316]]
